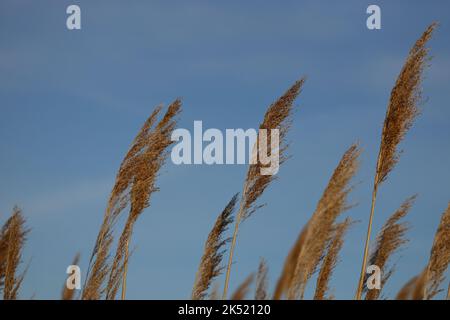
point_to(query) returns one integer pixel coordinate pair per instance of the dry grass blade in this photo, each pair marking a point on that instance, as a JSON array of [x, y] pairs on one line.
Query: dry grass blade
[[289, 265], [261, 281], [145, 170], [68, 294], [278, 116], [331, 259], [13, 240], [389, 240], [440, 256], [242, 291], [210, 264], [320, 226], [401, 112]]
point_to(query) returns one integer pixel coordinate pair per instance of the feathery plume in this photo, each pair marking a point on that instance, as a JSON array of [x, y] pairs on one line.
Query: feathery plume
[[129, 190], [389, 240], [210, 264], [414, 289], [401, 112], [332, 204], [278, 116], [261, 281], [331, 259], [242, 290], [289, 265], [119, 199], [145, 171], [420, 285], [440, 256], [13, 240], [426, 284], [406, 291]]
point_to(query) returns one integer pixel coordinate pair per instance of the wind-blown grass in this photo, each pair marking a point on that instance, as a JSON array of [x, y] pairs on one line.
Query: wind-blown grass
[[401, 112]]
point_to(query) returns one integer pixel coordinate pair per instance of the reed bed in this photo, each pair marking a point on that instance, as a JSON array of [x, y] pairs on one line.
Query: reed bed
[[316, 251]]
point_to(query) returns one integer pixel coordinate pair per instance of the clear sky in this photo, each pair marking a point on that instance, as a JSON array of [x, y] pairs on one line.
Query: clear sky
[[72, 101]]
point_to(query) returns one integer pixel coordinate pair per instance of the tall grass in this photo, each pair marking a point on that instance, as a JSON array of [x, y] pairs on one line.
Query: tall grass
[[389, 240], [12, 241], [135, 182], [318, 246], [278, 116], [401, 112], [210, 264]]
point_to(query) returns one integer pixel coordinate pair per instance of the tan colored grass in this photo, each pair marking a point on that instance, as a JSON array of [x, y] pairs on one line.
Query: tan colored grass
[[243, 289], [278, 116], [427, 284], [320, 226], [211, 262], [407, 290], [135, 182], [13, 237], [418, 292], [146, 168], [99, 266], [68, 294], [401, 112], [439, 258], [331, 259], [414, 289], [289, 265], [261, 281], [389, 240]]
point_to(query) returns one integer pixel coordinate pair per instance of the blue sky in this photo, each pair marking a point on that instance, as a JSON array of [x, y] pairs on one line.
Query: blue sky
[[72, 101]]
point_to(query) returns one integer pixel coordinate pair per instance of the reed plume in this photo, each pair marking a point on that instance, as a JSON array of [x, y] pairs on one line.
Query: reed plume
[[289, 265], [13, 238], [243, 289], [414, 289], [426, 284], [401, 112], [99, 267], [278, 116], [331, 259], [210, 264], [320, 226], [146, 168], [420, 286], [261, 281], [68, 294], [132, 188], [406, 291], [439, 257], [389, 240]]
